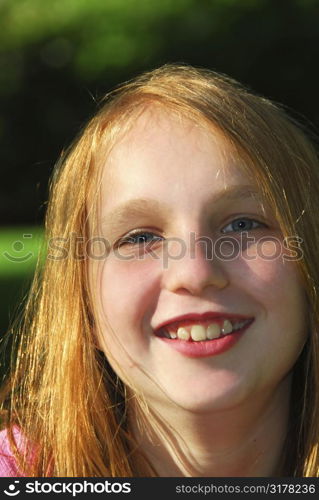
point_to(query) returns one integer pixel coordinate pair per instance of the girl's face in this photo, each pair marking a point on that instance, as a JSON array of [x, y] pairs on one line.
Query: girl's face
[[175, 183]]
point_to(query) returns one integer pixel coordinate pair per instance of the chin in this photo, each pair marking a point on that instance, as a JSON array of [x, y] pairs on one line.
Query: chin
[[208, 401]]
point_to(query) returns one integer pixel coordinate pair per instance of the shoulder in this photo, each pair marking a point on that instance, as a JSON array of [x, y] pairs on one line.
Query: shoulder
[[8, 463]]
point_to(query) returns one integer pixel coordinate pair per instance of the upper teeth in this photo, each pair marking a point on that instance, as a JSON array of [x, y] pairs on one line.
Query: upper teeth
[[227, 327], [200, 332]]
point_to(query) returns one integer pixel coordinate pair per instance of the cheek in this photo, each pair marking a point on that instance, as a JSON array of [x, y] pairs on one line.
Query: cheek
[[272, 290], [128, 288], [125, 296], [273, 282], [264, 269]]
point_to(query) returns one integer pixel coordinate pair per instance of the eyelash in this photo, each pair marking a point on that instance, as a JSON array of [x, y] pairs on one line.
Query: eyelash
[[135, 234], [253, 221]]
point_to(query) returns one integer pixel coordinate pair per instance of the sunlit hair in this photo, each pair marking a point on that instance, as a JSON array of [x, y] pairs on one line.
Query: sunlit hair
[[62, 392]]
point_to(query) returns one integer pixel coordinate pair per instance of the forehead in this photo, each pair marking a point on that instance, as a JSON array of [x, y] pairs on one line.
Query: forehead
[[165, 152]]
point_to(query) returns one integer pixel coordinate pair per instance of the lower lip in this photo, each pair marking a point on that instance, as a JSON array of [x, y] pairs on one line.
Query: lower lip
[[205, 348]]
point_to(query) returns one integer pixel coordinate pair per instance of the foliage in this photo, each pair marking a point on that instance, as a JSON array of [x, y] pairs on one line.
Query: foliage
[[57, 58]]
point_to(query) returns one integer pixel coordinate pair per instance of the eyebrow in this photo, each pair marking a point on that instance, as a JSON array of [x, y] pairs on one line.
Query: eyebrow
[[142, 207]]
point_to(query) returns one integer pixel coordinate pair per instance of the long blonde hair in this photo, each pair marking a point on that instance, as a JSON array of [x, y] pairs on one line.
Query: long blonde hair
[[62, 393]]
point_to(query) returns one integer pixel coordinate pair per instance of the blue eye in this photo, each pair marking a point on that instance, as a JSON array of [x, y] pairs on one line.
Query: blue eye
[[139, 238], [243, 224]]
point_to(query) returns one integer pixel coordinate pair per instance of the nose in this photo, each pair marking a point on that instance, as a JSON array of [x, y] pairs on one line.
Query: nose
[[193, 270]]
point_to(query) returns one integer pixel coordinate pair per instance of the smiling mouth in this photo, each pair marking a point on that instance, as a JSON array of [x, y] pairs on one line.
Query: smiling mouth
[[203, 331]]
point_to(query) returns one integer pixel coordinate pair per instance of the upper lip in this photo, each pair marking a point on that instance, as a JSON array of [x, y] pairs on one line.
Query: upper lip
[[200, 317]]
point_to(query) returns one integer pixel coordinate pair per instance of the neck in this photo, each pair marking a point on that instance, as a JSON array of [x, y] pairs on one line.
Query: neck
[[246, 441]]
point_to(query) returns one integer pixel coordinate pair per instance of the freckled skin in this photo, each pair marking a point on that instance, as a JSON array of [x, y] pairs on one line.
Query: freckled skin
[[180, 165]]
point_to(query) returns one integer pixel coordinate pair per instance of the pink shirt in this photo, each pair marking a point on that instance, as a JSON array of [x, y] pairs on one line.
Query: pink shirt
[[8, 465]]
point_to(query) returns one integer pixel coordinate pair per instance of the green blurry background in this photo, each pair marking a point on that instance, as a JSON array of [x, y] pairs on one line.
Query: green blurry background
[[58, 58]]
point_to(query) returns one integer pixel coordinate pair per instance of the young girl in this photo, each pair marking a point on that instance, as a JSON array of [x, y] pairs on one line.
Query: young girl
[[173, 329]]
